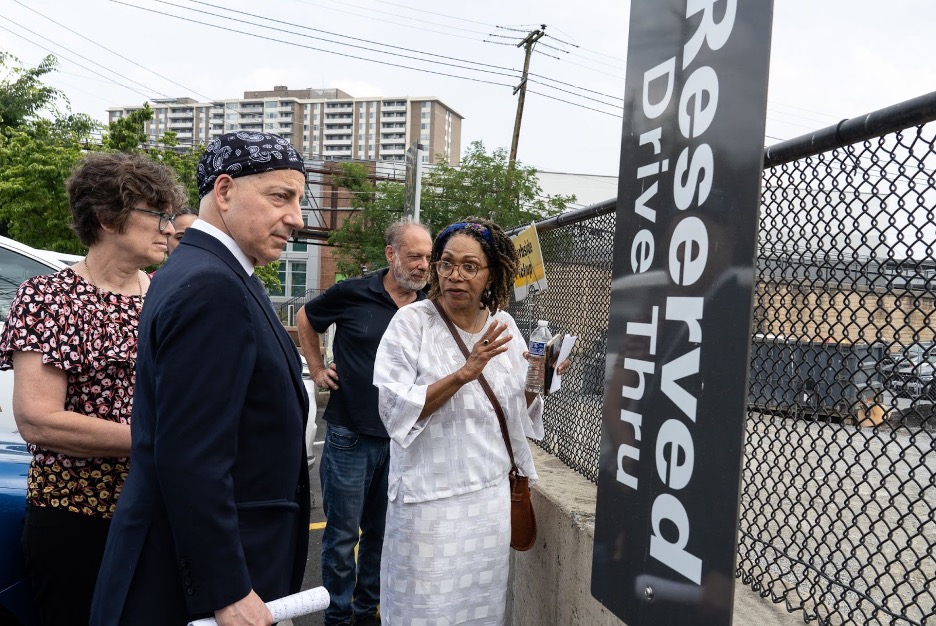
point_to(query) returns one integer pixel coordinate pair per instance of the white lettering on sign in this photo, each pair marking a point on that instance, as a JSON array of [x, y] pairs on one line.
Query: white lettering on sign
[[627, 451], [696, 108]]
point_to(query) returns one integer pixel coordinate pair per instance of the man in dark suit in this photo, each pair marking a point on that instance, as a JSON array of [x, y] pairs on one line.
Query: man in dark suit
[[213, 519]]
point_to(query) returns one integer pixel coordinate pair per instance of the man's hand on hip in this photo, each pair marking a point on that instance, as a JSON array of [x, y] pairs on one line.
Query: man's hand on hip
[[326, 377]]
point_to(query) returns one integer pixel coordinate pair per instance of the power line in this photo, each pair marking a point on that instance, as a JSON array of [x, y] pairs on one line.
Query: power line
[[351, 45], [467, 30], [451, 17], [618, 101], [581, 106], [610, 104], [109, 50], [518, 28], [548, 86], [147, 96], [591, 69], [386, 21], [512, 71], [575, 45], [292, 43]]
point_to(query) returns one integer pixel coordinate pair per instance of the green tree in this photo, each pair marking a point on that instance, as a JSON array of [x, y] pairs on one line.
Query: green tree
[[37, 156], [36, 161], [483, 184], [183, 160], [269, 276], [359, 243], [22, 94], [487, 186], [128, 133]]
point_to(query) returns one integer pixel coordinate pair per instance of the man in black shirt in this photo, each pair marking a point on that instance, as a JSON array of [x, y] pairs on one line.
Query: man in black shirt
[[356, 457]]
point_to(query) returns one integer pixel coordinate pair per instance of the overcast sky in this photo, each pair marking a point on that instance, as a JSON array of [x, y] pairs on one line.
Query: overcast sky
[[830, 59]]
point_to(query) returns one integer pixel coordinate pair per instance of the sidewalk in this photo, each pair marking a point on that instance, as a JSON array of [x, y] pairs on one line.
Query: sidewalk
[[313, 573], [566, 490]]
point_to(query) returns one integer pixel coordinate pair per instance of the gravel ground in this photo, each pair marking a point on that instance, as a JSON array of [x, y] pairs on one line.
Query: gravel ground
[[840, 520]]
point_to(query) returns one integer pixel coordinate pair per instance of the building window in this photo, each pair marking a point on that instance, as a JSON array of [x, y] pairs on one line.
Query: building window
[[281, 274], [297, 277]]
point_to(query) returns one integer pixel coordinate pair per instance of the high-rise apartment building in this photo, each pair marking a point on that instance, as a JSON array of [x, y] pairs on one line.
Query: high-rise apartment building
[[326, 124]]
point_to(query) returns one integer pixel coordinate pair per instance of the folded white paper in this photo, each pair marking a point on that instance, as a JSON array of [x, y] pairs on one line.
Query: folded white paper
[[564, 350], [296, 605]]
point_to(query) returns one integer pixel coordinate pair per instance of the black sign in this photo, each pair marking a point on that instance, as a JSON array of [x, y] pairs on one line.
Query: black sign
[[674, 409]]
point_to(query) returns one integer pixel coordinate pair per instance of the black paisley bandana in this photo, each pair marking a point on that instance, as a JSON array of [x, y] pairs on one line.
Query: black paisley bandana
[[244, 153]]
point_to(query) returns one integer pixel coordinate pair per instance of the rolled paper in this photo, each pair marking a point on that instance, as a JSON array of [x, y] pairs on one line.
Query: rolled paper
[[295, 605]]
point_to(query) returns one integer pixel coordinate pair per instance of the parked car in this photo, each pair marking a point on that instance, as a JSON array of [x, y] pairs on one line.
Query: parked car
[[311, 427], [17, 263], [912, 372], [16, 597]]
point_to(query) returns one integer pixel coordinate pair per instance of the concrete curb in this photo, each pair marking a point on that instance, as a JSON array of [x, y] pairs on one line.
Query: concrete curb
[[551, 584]]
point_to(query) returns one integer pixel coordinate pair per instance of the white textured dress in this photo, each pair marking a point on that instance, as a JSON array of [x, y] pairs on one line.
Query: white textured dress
[[447, 540]]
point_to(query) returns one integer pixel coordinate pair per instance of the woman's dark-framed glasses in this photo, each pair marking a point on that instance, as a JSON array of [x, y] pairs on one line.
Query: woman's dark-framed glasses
[[466, 270], [164, 218]]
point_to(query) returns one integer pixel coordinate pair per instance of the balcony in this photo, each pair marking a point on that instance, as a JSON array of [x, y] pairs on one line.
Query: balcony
[[337, 141]]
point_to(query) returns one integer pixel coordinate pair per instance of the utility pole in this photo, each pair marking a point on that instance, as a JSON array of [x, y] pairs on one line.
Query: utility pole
[[528, 41]]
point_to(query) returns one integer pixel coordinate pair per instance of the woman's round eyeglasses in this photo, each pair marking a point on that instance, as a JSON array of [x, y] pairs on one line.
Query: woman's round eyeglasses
[[164, 218], [466, 270]]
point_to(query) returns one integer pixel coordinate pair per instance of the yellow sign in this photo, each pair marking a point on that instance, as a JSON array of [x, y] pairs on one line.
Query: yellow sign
[[531, 274]]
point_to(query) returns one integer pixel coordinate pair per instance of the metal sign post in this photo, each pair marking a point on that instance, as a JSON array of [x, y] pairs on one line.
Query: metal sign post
[[679, 331], [413, 183]]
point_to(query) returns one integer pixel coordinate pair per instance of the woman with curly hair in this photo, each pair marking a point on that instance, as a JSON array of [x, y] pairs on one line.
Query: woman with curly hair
[[71, 339], [447, 542]]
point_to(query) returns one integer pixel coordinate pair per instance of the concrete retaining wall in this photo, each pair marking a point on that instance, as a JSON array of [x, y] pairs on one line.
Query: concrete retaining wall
[[551, 584]]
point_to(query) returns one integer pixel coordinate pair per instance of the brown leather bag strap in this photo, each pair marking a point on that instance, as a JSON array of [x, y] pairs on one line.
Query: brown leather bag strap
[[484, 384]]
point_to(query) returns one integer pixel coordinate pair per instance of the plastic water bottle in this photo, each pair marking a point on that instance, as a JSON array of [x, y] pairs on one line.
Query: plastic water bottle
[[538, 341]]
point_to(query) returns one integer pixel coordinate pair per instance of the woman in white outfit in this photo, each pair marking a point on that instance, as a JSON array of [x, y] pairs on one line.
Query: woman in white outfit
[[447, 541]]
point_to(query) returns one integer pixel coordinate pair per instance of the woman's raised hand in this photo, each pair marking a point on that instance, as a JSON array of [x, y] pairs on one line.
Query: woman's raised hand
[[489, 345]]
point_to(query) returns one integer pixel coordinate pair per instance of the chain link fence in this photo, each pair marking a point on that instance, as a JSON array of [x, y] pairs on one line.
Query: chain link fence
[[838, 494]]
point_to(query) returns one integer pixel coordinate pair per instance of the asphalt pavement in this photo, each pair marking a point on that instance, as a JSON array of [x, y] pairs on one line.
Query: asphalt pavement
[[313, 573]]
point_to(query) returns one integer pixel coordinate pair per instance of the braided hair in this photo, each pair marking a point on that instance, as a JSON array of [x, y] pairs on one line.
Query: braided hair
[[501, 259]]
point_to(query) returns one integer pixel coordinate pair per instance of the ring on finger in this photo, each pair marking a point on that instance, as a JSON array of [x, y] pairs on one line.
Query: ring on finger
[[485, 342]]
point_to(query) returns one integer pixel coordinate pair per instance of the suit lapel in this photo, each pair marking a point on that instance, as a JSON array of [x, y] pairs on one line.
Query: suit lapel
[[256, 289], [286, 344]]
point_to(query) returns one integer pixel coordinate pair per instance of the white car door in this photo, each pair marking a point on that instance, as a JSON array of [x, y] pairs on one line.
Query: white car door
[[18, 262]]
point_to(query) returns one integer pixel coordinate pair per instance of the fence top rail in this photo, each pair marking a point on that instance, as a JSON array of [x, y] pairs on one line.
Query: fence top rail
[[913, 112], [894, 118]]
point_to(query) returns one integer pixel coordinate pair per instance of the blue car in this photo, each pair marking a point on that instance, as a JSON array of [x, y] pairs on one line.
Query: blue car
[[17, 263], [16, 597]]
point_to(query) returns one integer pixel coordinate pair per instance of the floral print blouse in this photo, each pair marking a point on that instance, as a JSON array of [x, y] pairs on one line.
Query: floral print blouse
[[91, 335]]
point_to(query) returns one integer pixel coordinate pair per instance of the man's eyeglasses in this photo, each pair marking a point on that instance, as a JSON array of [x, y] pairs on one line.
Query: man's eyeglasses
[[164, 218], [466, 270]]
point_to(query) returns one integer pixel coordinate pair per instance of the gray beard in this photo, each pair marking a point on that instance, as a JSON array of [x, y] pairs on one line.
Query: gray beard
[[404, 280]]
